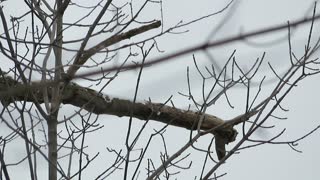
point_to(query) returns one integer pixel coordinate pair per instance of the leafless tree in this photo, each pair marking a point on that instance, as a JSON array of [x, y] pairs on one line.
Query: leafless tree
[[53, 91]]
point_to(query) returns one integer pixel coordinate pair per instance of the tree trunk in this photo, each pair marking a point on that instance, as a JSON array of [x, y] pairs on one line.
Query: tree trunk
[[56, 96], [52, 146]]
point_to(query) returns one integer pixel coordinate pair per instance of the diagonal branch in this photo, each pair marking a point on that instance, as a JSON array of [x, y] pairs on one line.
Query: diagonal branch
[[108, 42], [207, 45]]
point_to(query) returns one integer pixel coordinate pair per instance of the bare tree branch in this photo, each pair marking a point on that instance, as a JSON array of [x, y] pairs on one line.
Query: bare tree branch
[[99, 103], [108, 42]]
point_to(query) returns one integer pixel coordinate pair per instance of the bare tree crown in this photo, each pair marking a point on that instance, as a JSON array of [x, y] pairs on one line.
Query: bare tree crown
[[57, 66]]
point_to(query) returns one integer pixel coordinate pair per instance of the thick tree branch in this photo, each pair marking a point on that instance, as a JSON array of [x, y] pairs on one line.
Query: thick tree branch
[[99, 103]]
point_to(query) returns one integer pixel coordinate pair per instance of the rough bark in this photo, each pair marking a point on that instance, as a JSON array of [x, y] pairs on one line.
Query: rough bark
[[99, 103]]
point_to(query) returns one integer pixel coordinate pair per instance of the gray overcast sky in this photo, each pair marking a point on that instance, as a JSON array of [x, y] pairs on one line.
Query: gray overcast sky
[[267, 161], [263, 162]]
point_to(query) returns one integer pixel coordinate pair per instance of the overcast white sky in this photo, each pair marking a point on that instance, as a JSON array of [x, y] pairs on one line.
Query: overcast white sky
[[160, 82], [268, 161]]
